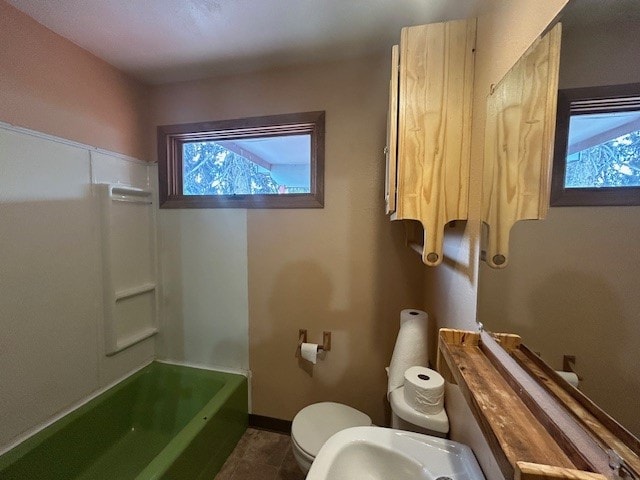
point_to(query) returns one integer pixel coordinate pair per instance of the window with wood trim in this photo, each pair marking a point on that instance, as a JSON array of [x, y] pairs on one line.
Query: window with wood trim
[[275, 161], [597, 151]]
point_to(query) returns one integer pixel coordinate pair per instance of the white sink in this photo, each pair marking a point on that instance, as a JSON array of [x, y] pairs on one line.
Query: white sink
[[376, 453]]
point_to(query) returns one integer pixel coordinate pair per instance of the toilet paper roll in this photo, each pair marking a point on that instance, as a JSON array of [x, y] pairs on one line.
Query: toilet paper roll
[[424, 390], [309, 351], [570, 377], [410, 348]]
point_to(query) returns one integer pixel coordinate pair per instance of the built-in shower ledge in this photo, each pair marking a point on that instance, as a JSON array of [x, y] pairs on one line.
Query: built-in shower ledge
[[532, 431]]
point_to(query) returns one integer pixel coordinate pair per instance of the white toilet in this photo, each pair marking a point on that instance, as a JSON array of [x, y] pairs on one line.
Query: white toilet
[[315, 424]]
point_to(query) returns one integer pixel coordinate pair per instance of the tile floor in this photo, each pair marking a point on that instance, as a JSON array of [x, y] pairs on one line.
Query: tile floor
[[261, 455]]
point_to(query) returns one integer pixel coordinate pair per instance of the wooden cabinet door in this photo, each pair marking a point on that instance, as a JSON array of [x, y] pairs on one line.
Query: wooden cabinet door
[[519, 139], [391, 150], [434, 127]]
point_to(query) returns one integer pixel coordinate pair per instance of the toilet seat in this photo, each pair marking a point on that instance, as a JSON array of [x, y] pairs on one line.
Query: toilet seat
[[299, 450], [314, 424]]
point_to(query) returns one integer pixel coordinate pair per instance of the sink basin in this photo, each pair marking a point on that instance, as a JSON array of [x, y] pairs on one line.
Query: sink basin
[[376, 453]]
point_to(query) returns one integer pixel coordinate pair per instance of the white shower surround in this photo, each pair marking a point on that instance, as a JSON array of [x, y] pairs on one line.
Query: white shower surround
[[52, 352]]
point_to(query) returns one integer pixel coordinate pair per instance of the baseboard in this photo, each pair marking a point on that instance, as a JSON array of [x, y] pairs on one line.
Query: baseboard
[[270, 423]]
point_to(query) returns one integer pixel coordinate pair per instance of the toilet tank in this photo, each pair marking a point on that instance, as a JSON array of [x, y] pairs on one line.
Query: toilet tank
[[404, 417]]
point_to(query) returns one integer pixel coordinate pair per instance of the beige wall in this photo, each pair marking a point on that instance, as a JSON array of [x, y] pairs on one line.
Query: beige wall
[[451, 289], [53, 86], [343, 268], [571, 288], [603, 56]]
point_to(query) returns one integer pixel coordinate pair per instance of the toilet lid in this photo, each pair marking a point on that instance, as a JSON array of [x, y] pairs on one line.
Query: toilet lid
[[313, 425]]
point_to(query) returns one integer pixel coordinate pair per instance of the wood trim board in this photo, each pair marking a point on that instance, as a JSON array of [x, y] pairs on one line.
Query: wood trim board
[[534, 431]]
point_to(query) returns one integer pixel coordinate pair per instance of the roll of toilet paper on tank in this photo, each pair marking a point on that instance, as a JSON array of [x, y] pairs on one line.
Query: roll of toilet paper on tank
[[424, 390], [410, 348], [309, 351], [570, 377]]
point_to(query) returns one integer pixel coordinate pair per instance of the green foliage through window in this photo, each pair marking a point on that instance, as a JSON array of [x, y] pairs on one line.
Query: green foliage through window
[[615, 163], [211, 169]]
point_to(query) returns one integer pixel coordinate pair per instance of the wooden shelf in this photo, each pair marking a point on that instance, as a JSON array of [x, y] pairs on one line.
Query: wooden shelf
[[532, 435], [599, 424]]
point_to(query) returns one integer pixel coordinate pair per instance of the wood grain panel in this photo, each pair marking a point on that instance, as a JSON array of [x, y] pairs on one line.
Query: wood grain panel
[[535, 471], [519, 137], [391, 150], [605, 429], [583, 451], [511, 430], [451, 336], [537, 426], [434, 127], [459, 337], [508, 341]]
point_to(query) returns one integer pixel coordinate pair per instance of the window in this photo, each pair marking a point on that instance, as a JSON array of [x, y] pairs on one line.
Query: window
[[259, 162], [597, 151]]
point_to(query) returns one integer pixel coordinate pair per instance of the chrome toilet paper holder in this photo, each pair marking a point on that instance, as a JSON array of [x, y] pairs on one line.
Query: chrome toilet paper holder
[[302, 338]]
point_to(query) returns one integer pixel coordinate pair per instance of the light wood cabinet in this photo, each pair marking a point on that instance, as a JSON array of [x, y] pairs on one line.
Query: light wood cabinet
[[519, 139], [429, 128]]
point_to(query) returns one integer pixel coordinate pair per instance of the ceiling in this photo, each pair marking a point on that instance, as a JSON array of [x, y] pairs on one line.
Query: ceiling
[[161, 41]]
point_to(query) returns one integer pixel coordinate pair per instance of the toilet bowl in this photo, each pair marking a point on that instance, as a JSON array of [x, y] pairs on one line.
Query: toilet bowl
[[315, 424]]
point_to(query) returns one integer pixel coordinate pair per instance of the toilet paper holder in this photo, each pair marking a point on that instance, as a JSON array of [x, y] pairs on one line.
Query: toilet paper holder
[[302, 338], [568, 365]]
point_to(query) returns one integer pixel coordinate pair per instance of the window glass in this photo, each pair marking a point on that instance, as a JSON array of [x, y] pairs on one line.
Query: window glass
[[603, 150], [271, 165], [275, 161], [597, 148]]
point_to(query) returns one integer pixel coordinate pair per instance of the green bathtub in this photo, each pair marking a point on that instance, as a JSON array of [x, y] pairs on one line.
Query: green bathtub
[[163, 422]]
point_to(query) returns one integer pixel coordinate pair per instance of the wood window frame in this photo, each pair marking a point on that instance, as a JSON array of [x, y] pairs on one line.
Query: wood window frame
[[618, 98], [172, 137]]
